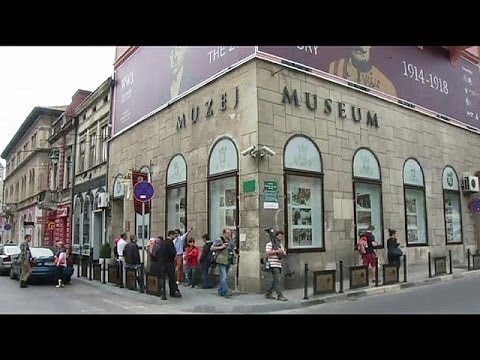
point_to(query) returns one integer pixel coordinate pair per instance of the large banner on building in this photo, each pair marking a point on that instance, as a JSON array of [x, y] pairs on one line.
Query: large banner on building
[[423, 77], [152, 76]]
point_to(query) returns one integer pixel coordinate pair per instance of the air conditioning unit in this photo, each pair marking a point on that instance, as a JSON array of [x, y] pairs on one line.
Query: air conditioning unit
[[470, 184], [102, 200]]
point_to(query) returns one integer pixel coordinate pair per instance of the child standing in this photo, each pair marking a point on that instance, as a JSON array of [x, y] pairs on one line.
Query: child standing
[[192, 262]]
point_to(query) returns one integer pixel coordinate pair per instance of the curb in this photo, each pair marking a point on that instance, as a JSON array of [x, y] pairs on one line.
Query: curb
[[273, 306]]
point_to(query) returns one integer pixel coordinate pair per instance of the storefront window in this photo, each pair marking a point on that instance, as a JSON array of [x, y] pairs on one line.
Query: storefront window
[[415, 204], [176, 194], [452, 208], [367, 185], [76, 224], [86, 226], [304, 193], [222, 189]]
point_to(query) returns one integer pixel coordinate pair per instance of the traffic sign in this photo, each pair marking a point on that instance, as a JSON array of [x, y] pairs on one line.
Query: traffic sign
[[8, 227], [143, 191]]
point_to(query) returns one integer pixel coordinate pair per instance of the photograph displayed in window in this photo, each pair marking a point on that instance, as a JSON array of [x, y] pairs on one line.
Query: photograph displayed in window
[[176, 204], [415, 216], [452, 206], [304, 212], [223, 206], [368, 208]]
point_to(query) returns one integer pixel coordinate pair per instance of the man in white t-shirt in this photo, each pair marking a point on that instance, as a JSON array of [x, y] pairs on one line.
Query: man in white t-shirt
[[121, 258], [274, 255]]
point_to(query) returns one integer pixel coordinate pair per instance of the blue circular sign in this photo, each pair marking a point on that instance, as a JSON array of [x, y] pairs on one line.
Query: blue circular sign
[[143, 191], [8, 226]]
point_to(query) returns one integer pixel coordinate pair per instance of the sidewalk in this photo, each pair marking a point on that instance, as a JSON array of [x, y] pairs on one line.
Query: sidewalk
[[206, 301]]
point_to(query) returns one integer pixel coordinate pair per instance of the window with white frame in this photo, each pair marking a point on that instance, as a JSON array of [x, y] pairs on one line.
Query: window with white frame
[[451, 206], [176, 194], [367, 184], [222, 188], [415, 203], [303, 171], [93, 149]]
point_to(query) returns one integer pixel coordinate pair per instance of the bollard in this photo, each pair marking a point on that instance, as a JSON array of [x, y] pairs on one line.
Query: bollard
[[468, 259], [376, 272], [103, 271], [141, 282], [405, 268], [341, 276], [120, 272], [429, 266], [450, 260], [79, 264], [305, 287], [164, 286], [90, 267]]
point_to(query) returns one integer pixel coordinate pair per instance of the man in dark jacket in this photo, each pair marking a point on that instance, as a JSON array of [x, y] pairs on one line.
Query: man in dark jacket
[[131, 253], [206, 261], [163, 255]]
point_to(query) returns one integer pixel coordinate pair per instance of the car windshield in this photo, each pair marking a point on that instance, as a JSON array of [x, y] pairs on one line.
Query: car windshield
[[41, 252], [11, 250]]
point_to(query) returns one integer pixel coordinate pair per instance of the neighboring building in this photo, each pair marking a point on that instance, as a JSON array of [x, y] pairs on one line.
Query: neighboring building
[[26, 182], [62, 140], [2, 218], [302, 139], [90, 199]]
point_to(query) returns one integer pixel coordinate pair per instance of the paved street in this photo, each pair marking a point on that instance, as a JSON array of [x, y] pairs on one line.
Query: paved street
[[460, 296], [77, 298]]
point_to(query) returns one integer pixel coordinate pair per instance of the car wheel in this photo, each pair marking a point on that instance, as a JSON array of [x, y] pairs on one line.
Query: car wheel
[[12, 275]]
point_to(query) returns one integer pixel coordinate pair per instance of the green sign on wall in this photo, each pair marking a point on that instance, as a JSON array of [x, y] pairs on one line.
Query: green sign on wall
[[270, 194], [249, 186]]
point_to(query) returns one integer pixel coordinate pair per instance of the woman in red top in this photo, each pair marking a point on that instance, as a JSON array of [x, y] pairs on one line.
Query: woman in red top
[[191, 254]]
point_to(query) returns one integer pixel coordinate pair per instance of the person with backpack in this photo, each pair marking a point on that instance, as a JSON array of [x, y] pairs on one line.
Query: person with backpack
[[206, 259], [162, 256], [369, 256]]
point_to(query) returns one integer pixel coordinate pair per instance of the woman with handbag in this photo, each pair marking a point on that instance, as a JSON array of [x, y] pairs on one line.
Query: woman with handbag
[[394, 251]]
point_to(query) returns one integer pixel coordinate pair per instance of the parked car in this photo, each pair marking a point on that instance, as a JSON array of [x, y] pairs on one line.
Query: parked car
[[7, 251], [43, 266]]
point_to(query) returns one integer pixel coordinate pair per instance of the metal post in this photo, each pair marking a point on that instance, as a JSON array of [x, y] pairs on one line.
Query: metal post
[[79, 262], [141, 272], [164, 286], [90, 266], [143, 232], [103, 271], [305, 288], [341, 275], [376, 272], [468, 259], [450, 260], [429, 266], [404, 268]]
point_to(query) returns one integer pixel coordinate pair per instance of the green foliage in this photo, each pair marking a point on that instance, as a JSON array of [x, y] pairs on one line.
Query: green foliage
[[106, 251]]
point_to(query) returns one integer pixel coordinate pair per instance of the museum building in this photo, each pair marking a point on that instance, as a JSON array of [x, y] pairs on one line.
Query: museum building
[[266, 138]]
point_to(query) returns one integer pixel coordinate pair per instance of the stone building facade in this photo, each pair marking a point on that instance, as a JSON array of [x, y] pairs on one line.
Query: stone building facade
[[338, 157]]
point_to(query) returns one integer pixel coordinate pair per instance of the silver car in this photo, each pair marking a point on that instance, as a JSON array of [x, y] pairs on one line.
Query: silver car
[[7, 251]]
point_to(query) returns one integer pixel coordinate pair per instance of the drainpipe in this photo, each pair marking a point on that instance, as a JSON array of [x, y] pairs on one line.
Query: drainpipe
[[74, 164], [107, 181]]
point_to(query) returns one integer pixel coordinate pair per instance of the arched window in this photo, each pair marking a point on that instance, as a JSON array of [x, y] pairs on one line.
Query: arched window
[[415, 203], [176, 194], [223, 188], [304, 193], [451, 206], [87, 210], [367, 188], [77, 220]]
